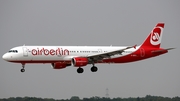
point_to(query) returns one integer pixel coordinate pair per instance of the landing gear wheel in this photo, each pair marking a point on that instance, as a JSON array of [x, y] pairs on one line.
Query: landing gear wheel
[[22, 70], [94, 69], [80, 70]]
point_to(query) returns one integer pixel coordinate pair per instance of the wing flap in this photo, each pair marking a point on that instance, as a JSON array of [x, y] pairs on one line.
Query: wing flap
[[96, 57]]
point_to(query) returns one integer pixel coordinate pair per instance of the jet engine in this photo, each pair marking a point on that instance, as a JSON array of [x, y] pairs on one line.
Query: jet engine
[[59, 65], [79, 61]]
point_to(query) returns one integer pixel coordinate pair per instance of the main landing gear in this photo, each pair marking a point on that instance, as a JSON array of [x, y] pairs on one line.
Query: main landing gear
[[80, 70], [93, 69], [23, 70]]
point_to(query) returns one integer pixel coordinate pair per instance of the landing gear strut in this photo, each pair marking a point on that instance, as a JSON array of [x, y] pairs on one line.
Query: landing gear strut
[[94, 68], [80, 70], [23, 70]]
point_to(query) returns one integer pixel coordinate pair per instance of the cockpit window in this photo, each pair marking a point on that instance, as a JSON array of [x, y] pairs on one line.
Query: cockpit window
[[13, 51]]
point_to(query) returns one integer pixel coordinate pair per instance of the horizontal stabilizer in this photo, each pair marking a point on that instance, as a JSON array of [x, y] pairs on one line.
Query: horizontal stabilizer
[[162, 50]]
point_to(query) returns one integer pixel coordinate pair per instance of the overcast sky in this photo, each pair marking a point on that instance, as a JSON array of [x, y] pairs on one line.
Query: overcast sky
[[92, 22]]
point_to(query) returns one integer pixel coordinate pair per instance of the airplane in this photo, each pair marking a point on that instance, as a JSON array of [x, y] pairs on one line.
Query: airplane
[[61, 57]]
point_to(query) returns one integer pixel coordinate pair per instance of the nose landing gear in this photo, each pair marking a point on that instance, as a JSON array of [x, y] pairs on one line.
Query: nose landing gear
[[23, 70]]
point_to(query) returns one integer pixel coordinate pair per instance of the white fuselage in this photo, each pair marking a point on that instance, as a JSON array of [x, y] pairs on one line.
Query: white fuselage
[[48, 54]]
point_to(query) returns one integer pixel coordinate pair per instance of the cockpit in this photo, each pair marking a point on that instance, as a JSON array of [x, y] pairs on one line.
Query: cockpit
[[12, 51], [14, 54]]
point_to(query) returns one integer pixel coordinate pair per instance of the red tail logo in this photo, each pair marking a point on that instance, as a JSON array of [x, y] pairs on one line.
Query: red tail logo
[[154, 38]]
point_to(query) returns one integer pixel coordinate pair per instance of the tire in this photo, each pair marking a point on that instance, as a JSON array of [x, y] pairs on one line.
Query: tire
[[80, 70]]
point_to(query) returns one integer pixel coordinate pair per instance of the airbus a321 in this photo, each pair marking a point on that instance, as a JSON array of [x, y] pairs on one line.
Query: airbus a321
[[78, 56]]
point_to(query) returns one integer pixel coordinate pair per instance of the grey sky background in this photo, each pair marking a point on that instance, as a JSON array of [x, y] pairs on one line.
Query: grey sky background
[[93, 22]]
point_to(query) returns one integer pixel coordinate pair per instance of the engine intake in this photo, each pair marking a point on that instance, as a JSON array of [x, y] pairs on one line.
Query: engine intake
[[79, 61]]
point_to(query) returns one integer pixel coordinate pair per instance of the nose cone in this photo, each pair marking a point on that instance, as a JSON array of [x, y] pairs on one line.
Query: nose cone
[[5, 57]]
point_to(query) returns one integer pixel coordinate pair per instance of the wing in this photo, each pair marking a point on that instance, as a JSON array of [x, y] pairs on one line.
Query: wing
[[97, 57]]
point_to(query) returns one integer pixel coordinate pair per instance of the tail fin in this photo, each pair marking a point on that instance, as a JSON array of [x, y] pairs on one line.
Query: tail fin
[[154, 38]]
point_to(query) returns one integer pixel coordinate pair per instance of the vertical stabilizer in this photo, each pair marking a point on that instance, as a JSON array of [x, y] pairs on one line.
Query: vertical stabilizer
[[155, 37]]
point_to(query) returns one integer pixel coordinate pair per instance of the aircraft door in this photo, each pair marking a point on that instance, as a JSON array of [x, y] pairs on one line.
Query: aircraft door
[[25, 51], [142, 52], [99, 50]]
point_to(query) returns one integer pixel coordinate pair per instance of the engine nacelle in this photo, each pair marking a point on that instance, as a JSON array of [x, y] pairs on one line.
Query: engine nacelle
[[79, 61], [59, 65]]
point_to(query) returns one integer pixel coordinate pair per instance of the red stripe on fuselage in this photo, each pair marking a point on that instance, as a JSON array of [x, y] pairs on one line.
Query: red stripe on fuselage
[[39, 61], [140, 54]]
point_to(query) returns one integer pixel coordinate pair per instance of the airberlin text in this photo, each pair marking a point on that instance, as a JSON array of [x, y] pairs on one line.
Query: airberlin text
[[52, 52]]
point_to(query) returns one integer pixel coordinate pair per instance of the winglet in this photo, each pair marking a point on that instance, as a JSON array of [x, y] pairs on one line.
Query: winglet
[[134, 46]]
